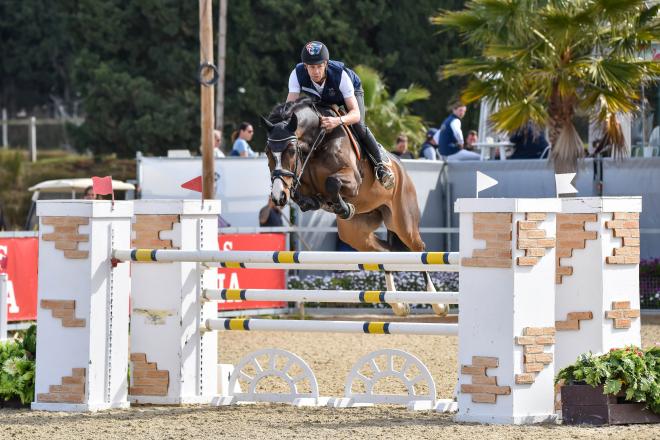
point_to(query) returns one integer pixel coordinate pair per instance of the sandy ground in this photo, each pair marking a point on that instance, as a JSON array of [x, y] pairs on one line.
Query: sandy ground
[[330, 357]]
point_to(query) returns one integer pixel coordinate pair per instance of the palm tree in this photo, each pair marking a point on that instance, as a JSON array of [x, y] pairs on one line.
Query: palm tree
[[387, 116], [546, 61]]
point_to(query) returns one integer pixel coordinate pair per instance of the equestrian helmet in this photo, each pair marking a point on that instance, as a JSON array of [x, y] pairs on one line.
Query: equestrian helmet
[[314, 52]]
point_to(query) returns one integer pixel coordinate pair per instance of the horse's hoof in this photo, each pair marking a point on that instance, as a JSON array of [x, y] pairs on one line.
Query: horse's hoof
[[401, 309], [440, 309], [350, 213]]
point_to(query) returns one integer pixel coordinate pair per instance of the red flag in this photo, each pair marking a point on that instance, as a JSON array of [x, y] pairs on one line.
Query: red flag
[[102, 185], [194, 184]]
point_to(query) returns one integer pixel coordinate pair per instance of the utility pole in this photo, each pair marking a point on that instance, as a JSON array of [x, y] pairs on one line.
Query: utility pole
[[206, 75], [222, 54]]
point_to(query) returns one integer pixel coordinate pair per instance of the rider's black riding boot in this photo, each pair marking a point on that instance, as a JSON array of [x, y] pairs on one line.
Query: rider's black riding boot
[[383, 173]]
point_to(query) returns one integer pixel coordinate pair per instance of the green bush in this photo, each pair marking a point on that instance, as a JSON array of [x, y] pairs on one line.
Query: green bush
[[631, 370], [17, 365]]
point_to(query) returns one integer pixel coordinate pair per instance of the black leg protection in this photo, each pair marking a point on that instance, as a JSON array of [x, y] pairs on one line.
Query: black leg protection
[[371, 145]]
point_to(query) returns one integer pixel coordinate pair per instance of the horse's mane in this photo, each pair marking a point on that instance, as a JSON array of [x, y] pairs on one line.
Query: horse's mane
[[282, 112]]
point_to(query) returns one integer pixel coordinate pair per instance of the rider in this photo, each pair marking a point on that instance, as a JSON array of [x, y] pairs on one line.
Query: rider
[[333, 83]]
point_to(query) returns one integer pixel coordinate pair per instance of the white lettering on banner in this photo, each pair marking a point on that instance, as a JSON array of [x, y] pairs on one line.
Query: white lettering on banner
[[228, 246], [11, 296]]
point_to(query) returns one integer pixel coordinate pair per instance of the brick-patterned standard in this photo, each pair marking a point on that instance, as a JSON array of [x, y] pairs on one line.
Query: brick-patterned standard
[[147, 229], [621, 313], [532, 239], [148, 380], [484, 389], [66, 236], [72, 389], [626, 227], [65, 310], [573, 321], [571, 234], [535, 359], [495, 228]]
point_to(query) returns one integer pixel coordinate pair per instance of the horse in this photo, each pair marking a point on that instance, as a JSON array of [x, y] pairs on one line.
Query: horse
[[319, 170]]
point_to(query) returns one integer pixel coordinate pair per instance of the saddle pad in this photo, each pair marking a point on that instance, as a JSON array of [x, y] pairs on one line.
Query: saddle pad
[[349, 133]]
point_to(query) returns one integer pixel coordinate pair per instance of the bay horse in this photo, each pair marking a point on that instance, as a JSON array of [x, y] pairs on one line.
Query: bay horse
[[333, 178]]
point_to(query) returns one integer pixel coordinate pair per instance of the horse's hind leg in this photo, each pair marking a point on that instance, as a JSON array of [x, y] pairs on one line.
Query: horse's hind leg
[[403, 220], [359, 234]]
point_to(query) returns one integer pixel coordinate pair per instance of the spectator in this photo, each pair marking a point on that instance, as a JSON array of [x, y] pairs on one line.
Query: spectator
[[471, 139], [270, 215], [450, 137], [428, 150], [401, 148], [240, 138], [89, 194], [528, 143], [217, 139]]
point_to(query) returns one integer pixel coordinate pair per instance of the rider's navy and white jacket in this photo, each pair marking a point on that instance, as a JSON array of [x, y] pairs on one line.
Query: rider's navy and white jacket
[[340, 83]]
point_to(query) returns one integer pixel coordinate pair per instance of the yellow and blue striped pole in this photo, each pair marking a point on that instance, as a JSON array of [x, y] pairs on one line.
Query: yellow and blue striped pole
[[284, 325], [267, 259], [328, 296]]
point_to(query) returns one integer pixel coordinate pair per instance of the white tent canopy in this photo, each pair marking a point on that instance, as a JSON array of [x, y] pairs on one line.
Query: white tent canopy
[[76, 185]]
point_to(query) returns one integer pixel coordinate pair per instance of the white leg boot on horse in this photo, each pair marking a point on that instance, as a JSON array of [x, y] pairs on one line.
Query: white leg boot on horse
[[398, 309]]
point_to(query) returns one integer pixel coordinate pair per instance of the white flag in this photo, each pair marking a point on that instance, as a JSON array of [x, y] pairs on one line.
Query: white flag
[[484, 182], [563, 184]]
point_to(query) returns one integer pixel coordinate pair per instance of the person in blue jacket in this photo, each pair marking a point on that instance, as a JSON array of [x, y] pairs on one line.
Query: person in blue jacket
[[331, 82], [449, 136]]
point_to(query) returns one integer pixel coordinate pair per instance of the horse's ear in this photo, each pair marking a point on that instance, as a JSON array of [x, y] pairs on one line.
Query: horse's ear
[[293, 123], [269, 125]]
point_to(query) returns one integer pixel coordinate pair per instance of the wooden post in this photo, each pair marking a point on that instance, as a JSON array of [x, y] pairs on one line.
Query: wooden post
[[222, 52], [206, 56], [5, 137], [33, 138]]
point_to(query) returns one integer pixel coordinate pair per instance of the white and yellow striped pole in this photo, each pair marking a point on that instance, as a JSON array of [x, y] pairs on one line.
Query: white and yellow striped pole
[[329, 296], [288, 325], [240, 259]]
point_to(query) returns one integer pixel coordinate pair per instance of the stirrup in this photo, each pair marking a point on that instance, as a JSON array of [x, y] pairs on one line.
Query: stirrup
[[384, 175]]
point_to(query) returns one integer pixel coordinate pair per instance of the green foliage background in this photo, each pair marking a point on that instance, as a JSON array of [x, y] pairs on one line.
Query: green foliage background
[[132, 64]]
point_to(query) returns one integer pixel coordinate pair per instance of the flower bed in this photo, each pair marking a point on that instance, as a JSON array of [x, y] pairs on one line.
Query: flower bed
[[627, 375], [17, 367], [360, 280]]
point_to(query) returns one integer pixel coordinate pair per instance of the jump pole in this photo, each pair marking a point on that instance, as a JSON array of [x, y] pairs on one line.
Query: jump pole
[[328, 296], [305, 326]]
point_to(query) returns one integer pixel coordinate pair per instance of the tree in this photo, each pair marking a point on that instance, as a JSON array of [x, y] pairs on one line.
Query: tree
[[388, 116], [545, 61]]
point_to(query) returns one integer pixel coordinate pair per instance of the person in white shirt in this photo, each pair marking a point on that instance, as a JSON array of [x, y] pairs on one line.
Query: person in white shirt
[[331, 82]]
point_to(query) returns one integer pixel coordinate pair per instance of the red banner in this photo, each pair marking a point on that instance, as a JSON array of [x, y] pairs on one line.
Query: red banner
[[251, 278], [19, 259]]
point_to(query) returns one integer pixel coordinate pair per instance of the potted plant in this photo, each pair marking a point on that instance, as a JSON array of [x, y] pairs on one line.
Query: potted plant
[[17, 365], [619, 387]]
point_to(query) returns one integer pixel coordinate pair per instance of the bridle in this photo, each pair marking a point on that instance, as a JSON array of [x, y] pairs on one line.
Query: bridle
[[281, 173]]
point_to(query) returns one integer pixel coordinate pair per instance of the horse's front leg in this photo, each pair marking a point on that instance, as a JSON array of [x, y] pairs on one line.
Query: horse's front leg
[[333, 187]]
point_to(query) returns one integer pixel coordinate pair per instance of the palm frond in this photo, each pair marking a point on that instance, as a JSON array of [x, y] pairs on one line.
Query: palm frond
[[404, 97]]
